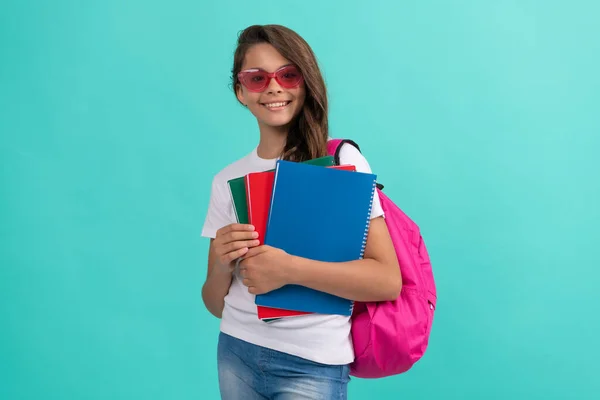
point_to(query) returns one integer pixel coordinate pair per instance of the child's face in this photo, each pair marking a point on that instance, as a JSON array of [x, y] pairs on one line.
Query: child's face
[[266, 57]]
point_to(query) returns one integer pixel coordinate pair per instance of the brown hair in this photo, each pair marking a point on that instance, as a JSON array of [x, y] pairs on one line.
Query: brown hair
[[308, 133]]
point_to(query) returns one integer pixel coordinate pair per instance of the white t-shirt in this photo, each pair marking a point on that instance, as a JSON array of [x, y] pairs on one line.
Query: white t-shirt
[[321, 338]]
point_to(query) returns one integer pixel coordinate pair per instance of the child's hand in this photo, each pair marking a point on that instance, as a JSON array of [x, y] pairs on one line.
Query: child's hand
[[264, 268], [233, 241]]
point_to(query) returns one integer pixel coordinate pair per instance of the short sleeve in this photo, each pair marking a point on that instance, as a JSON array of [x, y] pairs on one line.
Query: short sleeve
[[351, 155], [217, 215]]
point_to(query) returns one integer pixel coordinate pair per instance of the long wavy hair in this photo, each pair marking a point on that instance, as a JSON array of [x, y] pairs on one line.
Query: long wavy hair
[[308, 133]]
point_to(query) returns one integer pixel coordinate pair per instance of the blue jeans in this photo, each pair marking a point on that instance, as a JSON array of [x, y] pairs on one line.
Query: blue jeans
[[250, 372]]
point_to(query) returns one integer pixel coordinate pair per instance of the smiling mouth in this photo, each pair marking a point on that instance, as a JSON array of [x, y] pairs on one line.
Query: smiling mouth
[[279, 105]]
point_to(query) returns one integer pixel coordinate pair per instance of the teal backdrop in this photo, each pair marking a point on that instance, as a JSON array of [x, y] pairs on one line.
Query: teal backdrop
[[480, 117]]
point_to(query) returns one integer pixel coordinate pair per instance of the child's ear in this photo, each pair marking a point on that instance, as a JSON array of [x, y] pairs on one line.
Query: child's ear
[[239, 94]]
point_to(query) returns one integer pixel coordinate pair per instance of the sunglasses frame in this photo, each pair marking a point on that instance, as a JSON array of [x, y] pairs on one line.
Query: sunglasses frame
[[270, 75]]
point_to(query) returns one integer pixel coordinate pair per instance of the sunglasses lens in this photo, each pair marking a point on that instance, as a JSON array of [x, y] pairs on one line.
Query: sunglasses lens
[[289, 77], [255, 80]]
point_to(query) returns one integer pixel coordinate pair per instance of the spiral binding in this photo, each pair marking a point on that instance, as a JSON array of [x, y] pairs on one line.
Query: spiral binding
[[368, 223]]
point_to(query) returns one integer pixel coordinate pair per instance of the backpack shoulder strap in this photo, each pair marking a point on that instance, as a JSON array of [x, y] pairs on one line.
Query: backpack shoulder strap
[[334, 146]]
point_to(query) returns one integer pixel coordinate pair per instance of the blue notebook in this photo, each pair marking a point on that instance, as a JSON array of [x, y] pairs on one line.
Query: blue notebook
[[321, 214]]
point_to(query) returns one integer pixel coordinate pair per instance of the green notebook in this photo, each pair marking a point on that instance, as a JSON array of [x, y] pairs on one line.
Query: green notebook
[[237, 189]]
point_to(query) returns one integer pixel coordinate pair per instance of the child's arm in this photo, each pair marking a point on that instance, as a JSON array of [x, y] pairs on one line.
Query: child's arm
[[231, 242], [374, 278], [216, 286]]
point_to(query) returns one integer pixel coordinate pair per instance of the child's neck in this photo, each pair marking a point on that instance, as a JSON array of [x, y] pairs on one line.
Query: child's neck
[[272, 141]]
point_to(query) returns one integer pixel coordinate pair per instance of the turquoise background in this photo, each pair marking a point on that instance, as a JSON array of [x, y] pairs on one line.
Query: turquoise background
[[480, 117]]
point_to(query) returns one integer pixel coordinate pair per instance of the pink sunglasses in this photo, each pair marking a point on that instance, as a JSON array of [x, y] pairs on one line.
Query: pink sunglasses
[[257, 80]]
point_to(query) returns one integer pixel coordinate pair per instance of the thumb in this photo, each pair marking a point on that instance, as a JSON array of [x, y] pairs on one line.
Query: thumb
[[254, 251]]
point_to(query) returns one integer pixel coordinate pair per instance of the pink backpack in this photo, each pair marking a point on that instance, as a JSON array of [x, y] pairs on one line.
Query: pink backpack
[[390, 337]]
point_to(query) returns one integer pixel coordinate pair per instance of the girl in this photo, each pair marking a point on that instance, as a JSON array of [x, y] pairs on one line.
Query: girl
[[276, 76]]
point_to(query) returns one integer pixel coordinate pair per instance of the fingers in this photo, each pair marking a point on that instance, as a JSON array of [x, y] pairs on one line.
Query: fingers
[[231, 237], [254, 251], [248, 279], [246, 273], [233, 246], [235, 228], [251, 289], [234, 232], [234, 250], [229, 257], [233, 241]]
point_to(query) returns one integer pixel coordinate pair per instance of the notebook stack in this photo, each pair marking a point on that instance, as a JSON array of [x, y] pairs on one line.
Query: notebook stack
[[316, 210]]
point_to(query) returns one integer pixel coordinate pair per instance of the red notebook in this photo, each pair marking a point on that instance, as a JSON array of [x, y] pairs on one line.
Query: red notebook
[[259, 187]]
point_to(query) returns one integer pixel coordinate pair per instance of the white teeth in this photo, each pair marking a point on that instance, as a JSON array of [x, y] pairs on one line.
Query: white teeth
[[272, 105]]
